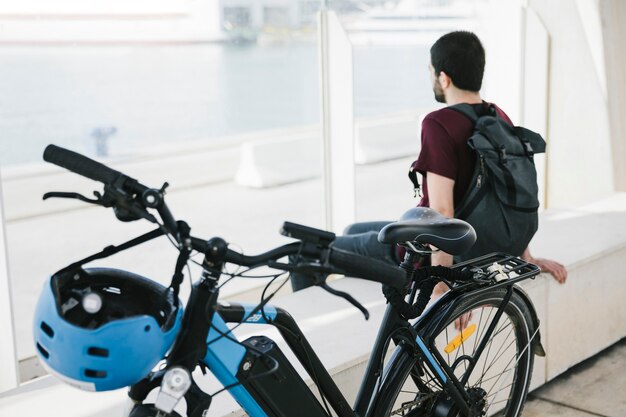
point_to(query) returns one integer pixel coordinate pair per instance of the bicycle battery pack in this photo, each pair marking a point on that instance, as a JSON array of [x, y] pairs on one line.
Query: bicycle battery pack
[[272, 381]]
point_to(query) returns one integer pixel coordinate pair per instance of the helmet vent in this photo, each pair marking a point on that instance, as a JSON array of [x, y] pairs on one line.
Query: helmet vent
[[113, 290], [47, 329], [43, 352], [90, 373], [96, 351]]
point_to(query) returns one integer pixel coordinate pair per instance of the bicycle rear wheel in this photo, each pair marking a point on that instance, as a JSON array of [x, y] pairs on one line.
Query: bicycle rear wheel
[[500, 378]]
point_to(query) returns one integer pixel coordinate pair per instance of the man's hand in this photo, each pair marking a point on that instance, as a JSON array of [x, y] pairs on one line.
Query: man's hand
[[557, 270]]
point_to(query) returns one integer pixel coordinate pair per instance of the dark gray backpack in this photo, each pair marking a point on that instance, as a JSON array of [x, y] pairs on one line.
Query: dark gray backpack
[[502, 199]]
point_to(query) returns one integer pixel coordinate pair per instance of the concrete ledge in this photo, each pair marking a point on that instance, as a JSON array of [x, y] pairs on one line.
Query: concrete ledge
[[279, 161], [390, 137], [588, 314], [536, 290], [578, 319], [24, 187], [263, 164], [253, 160], [48, 396]]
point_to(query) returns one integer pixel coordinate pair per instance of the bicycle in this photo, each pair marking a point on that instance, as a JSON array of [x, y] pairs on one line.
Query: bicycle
[[102, 329]]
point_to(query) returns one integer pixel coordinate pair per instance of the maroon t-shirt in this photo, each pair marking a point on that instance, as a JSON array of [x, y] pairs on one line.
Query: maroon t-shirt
[[445, 151]]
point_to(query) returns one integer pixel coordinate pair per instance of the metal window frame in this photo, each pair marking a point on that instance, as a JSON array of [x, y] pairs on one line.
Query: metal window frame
[[9, 377], [337, 114]]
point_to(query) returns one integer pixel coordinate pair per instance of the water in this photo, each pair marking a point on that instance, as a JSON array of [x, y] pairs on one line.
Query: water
[[162, 94]]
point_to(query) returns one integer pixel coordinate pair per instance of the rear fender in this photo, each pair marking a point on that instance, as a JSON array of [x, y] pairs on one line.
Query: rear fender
[[536, 346]]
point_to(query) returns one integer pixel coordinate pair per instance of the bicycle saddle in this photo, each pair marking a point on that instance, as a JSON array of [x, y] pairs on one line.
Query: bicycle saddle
[[426, 226]]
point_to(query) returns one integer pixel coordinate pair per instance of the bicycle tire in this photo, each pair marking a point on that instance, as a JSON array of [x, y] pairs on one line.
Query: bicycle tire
[[403, 370]]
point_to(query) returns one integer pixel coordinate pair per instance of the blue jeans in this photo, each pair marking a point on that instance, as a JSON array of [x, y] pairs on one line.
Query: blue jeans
[[360, 238]]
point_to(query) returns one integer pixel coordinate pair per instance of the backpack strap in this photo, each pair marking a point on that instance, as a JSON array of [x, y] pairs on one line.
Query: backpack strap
[[467, 110]]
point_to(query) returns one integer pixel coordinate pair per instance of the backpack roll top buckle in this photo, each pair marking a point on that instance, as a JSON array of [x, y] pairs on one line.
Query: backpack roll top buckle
[[417, 188]]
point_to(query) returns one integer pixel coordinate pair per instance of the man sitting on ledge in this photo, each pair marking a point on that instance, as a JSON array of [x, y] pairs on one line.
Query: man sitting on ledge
[[445, 162]]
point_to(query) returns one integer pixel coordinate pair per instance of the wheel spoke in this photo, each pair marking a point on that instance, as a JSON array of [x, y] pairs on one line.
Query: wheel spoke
[[447, 343], [500, 390], [519, 356], [480, 320], [498, 356], [483, 333]]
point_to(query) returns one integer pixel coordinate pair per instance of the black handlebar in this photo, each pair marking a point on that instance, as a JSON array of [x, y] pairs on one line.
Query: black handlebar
[[237, 258], [80, 164], [346, 262]]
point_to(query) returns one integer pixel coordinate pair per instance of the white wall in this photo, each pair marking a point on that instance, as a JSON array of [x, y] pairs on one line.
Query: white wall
[[613, 17], [569, 99], [580, 165], [499, 31]]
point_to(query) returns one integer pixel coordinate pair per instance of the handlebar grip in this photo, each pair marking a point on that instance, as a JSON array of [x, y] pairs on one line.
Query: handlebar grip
[[367, 268], [80, 164]]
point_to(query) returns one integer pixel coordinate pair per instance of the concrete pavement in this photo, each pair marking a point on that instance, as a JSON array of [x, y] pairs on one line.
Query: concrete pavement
[[595, 387]]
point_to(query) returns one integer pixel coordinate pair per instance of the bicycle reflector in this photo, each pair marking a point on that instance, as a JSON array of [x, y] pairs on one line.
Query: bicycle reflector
[[102, 329], [458, 341]]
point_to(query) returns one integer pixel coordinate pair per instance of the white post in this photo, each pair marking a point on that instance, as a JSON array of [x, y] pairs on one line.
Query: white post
[[8, 360], [336, 81], [501, 39], [523, 55], [535, 94]]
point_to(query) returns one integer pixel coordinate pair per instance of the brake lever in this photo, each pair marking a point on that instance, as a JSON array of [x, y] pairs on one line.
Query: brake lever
[[320, 282], [76, 196], [125, 208], [347, 297]]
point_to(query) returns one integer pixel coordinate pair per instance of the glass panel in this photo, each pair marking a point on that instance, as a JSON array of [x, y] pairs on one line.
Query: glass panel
[[161, 99], [393, 91]]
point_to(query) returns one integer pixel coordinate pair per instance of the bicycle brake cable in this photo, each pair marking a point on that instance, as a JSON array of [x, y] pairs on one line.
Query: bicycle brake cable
[[346, 297]]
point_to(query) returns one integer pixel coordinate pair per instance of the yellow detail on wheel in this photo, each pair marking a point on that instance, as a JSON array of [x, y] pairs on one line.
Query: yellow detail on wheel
[[457, 341]]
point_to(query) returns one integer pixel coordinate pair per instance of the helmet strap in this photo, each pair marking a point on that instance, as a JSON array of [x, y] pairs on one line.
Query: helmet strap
[[112, 250], [183, 257]]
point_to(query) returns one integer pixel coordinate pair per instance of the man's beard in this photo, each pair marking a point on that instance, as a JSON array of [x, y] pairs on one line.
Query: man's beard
[[439, 96]]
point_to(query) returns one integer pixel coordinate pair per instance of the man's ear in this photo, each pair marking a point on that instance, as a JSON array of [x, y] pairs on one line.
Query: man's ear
[[444, 80]]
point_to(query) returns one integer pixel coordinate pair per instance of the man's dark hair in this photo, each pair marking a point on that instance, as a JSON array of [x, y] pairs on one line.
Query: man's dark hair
[[462, 57]]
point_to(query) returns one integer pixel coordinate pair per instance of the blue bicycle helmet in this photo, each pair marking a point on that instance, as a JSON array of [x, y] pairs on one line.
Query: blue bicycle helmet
[[102, 329]]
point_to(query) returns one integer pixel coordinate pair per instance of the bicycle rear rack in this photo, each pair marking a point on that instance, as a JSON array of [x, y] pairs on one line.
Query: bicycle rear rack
[[510, 265]]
